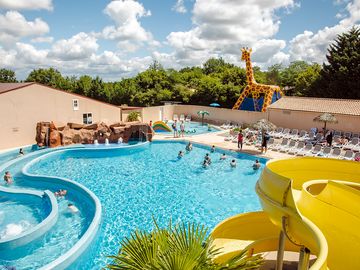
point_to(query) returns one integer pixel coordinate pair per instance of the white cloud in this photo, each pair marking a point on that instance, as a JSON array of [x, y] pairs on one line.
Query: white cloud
[[221, 28], [179, 6], [127, 29], [312, 47], [14, 26], [26, 4], [79, 46], [29, 54], [42, 40]]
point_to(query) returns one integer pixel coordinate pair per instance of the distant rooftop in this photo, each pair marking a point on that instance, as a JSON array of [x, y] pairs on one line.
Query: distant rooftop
[[321, 105], [5, 87]]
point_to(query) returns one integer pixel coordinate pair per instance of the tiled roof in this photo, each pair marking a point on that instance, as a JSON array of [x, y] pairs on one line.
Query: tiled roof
[[5, 87], [322, 105]]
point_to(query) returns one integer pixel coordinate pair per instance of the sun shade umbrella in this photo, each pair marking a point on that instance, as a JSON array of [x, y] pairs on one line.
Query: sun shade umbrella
[[215, 105], [202, 114], [263, 124], [326, 118]]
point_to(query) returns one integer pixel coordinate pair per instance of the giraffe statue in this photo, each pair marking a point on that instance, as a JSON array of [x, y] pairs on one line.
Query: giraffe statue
[[254, 88]]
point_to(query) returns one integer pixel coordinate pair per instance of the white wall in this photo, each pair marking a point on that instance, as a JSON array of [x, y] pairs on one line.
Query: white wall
[[304, 120], [220, 115], [21, 109]]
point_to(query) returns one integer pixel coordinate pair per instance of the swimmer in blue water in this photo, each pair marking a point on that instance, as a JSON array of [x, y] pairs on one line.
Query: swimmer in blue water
[[181, 154], [256, 165], [233, 163]]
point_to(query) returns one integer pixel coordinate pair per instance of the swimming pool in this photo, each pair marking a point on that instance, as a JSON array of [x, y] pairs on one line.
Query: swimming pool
[[134, 185], [192, 128]]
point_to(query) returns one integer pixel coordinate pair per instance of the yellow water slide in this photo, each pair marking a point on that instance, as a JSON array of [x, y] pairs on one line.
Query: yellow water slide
[[310, 205]]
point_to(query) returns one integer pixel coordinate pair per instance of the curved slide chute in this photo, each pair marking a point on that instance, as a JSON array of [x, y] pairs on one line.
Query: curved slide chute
[[161, 126], [311, 205]]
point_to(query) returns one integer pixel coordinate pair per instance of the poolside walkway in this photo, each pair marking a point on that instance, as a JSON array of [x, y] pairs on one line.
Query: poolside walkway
[[217, 139]]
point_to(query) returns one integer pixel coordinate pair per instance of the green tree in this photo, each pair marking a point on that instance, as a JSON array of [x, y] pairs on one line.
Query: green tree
[[214, 65], [306, 79], [7, 76], [51, 77], [339, 77], [273, 74], [83, 86]]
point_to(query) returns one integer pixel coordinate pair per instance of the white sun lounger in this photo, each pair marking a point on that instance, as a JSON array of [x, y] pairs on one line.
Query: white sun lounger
[[347, 134], [325, 152], [297, 148], [175, 117], [335, 153], [349, 154], [351, 144], [188, 118], [305, 150], [293, 134], [315, 151], [286, 148], [276, 132], [281, 145], [302, 135], [182, 117]]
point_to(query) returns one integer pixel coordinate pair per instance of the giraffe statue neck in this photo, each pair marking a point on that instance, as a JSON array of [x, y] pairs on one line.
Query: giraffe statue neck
[[249, 72]]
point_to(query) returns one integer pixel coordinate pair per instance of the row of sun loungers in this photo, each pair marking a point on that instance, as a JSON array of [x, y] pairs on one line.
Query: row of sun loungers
[[300, 148], [182, 118], [303, 134]]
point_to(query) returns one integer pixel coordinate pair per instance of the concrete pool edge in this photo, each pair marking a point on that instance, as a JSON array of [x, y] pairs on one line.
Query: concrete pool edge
[[39, 229], [82, 244]]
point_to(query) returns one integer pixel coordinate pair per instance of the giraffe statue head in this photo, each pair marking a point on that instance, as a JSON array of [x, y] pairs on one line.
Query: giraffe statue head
[[245, 53]]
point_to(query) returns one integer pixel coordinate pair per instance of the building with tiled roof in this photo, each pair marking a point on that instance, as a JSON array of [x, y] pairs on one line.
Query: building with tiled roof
[[299, 112], [323, 105]]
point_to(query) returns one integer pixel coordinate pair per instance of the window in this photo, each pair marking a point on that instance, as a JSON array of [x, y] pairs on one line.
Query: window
[[75, 104], [87, 118]]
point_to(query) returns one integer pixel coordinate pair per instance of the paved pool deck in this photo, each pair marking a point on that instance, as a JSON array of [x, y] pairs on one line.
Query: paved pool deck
[[218, 139]]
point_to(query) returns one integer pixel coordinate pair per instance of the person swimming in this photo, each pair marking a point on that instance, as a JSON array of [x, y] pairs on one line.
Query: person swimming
[[189, 147], [21, 152], [60, 193], [8, 178], [223, 156], [181, 154], [256, 165], [73, 209], [212, 149], [233, 163], [205, 164], [208, 158]]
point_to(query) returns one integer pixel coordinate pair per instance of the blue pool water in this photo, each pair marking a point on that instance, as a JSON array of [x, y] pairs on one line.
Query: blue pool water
[[192, 128], [135, 185], [18, 215]]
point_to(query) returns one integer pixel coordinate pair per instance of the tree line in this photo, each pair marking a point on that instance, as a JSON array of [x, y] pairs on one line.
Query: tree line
[[216, 80]]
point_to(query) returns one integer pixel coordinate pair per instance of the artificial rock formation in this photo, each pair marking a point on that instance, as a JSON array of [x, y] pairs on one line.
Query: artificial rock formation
[[48, 134]]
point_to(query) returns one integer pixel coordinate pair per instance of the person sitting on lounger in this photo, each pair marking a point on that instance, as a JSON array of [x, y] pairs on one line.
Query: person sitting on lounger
[[233, 163], [256, 165], [8, 178]]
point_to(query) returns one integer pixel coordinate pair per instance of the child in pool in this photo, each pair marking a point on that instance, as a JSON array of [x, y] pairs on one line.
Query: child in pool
[[233, 163]]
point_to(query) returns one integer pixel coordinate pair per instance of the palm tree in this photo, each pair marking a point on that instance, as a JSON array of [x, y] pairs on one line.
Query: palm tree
[[202, 114], [179, 247]]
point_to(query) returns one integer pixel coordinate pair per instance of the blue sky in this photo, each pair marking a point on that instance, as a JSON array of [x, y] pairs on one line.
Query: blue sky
[[115, 39]]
